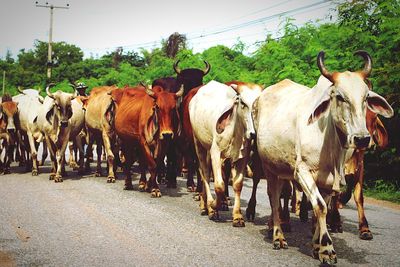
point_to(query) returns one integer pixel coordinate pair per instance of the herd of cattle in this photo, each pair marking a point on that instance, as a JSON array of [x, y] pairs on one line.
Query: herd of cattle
[[300, 139]]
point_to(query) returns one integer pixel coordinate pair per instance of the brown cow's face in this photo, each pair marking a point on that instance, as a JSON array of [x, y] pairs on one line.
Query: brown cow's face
[[167, 114]]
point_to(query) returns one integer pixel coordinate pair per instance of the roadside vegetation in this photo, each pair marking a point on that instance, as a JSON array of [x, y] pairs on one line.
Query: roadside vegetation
[[361, 25]]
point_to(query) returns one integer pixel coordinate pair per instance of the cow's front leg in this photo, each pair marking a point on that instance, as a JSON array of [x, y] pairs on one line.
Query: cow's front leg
[[60, 156], [33, 154], [322, 242]]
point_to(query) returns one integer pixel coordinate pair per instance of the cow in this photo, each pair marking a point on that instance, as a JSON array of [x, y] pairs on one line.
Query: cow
[[145, 120], [54, 121], [222, 128], [29, 102], [9, 113], [99, 121], [189, 78], [306, 136]]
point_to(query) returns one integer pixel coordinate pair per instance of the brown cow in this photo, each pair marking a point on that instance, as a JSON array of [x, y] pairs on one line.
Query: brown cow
[[99, 119], [9, 113], [354, 174], [148, 120]]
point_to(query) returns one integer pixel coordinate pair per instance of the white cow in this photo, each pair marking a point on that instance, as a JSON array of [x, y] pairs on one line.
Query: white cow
[[308, 134], [54, 121], [29, 102], [220, 116]]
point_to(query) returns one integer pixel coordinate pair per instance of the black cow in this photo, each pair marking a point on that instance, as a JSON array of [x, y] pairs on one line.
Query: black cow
[[189, 78]]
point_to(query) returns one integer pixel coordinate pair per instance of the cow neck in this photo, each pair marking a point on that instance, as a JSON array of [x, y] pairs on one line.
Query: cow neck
[[334, 149]]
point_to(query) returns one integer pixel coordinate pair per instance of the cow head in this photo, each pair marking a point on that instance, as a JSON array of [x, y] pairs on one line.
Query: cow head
[[9, 117], [165, 116], [248, 93], [190, 78], [347, 99], [61, 109]]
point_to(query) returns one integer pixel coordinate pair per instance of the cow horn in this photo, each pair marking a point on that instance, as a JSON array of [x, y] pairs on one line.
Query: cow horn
[[142, 84], [180, 92], [208, 67], [368, 62], [20, 90], [48, 90], [321, 66], [149, 91], [177, 70]]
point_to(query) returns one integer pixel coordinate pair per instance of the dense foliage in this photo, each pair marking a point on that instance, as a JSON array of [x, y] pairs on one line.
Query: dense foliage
[[369, 25]]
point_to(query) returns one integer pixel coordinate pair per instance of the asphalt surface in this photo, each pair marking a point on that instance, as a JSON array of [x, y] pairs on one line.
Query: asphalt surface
[[86, 222]]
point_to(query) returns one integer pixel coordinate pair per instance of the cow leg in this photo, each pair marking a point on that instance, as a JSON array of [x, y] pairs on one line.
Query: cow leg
[[110, 157], [333, 217], [60, 156], [89, 151], [127, 150], [237, 184], [285, 216], [152, 167], [204, 173], [52, 150], [79, 145], [251, 206], [99, 150], [33, 154], [219, 184], [172, 165], [322, 242], [363, 228], [72, 160], [44, 154], [227, 176], [274, 188]]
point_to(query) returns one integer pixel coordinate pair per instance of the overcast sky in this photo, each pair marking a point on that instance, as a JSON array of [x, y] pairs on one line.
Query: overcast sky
[[100, 26]]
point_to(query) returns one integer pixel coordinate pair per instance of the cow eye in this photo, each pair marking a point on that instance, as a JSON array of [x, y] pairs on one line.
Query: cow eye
[[340, 98]]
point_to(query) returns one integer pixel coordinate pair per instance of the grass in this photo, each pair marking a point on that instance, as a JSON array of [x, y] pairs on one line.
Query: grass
[[383, 190]]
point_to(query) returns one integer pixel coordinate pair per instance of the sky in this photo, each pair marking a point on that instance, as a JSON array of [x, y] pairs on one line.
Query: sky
[[99, 26]]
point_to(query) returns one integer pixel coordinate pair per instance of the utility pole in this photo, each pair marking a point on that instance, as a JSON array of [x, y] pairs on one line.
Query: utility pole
[[49, 52]]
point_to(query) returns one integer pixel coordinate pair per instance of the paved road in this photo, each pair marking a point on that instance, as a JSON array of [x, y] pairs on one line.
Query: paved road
[[86, 222]]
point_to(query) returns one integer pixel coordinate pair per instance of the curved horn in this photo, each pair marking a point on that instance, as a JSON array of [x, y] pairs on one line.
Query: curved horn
[[149, 91], [368, 62], [142, 84], [180, 92], [208, 67], [321, 66], [177, 70], [48, 90], [20, 90]]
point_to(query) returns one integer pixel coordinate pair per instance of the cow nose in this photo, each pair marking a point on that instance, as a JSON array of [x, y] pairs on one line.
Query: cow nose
[[167, 135], [64, 124], [361, 141]]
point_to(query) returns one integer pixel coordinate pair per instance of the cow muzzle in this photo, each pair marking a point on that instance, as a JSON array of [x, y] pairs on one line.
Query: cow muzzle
[[166, 135], [360, 141], [64, 124]]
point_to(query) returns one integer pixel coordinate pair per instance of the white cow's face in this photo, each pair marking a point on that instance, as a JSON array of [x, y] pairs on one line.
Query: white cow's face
[[348, 108]]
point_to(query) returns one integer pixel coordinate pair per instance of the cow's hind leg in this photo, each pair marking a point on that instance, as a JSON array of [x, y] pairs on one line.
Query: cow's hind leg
[[237, 174], [110, 157]]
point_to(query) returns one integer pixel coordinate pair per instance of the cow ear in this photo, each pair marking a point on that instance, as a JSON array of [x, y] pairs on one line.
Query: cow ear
[[225, 120], [320, 108], [379, 105], [151, 128], [381, 134], [49, 115]]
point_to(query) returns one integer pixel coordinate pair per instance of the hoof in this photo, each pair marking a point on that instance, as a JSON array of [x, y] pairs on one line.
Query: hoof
[[250, 214], [278, 244], [213, 215], [155, 193], [35, 173], [196, 197], [111, 179], [203, 212], [366, 235], [328, 257], [58, 179], [142, 187], [191, 189], [238, 222], [128, 187], [286, 227], [52, 176], [97, 174]]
